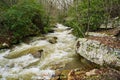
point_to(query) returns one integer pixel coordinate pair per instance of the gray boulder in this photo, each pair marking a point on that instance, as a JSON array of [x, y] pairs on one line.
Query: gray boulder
[[98, 53]]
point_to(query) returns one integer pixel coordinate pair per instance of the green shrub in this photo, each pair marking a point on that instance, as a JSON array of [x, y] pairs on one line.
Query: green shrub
[[95, 14], [77, 30], [24, 19], [3, 6]]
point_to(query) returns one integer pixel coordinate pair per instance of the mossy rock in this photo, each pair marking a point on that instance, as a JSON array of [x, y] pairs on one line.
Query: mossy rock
[[27, 76], [19, 53]]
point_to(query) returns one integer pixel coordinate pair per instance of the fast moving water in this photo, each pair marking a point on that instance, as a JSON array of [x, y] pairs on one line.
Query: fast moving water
[[41, 57]]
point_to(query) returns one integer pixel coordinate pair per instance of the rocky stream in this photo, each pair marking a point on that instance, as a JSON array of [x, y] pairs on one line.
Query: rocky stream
[[60, 56]]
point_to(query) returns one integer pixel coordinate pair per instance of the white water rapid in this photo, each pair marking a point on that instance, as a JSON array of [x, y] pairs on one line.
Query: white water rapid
[[26, 62]]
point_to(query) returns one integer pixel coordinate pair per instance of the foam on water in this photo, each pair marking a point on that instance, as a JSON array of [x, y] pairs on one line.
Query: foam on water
[[58, 53]]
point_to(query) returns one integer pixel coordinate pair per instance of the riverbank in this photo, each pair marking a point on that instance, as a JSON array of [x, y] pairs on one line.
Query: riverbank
[[47, 57]]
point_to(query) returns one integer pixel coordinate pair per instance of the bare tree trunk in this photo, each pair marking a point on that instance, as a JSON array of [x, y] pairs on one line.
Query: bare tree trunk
[[88, 13]]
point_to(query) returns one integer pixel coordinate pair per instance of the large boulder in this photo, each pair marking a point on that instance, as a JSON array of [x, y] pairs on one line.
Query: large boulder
[[97, 52]]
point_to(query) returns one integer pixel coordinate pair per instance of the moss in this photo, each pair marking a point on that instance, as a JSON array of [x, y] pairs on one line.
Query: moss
[[33, 63], [0, 76], [11, 78], [27, 76]]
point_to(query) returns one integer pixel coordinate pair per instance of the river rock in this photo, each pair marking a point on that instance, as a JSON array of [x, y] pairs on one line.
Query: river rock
[[34, 50], [4, 45], [60, 75], [37, 54], [97, 52], [94, 74], [52, 40]]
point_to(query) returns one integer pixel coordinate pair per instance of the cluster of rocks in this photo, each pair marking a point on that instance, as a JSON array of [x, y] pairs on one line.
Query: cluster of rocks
[[94, 74], [99, 48]]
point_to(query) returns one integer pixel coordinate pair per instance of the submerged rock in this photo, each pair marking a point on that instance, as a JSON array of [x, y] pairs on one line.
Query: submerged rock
[[37, 54], [98, 53], [30, 50], [52, 40]]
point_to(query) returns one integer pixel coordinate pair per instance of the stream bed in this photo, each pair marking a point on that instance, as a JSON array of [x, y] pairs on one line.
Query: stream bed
[[39, 58]]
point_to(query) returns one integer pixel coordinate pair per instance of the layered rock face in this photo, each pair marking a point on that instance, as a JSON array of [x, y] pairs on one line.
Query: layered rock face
[[100, 50], [97, 52]]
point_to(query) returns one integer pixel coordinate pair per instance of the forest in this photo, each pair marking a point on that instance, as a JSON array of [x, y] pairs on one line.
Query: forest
[[59, 39]]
